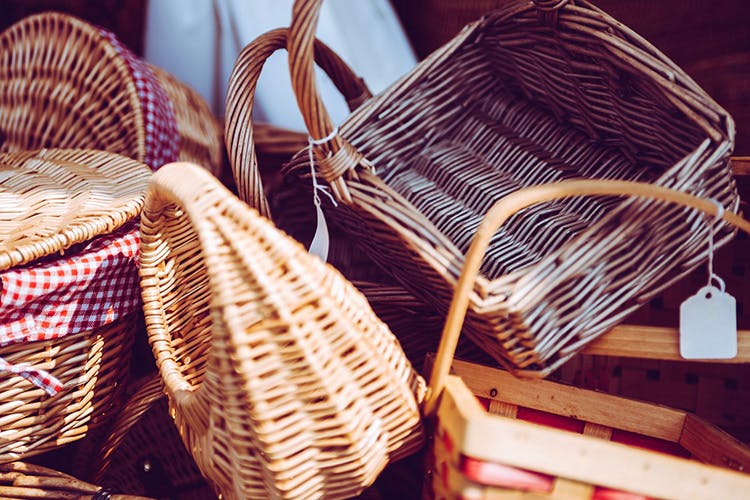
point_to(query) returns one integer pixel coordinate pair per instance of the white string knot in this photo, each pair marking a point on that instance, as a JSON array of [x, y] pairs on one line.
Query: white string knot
[[317, 187], [712, 230]]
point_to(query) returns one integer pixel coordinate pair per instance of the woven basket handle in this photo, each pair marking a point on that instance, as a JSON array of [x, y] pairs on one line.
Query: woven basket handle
[[501, 212], [335, 155], [238, 134]]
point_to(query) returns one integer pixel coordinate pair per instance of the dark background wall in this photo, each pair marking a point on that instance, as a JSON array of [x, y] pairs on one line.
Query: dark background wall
[[123, 17]]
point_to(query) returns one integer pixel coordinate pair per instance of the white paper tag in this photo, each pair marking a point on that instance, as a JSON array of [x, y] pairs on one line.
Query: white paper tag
[[319, 245], [708, 325]]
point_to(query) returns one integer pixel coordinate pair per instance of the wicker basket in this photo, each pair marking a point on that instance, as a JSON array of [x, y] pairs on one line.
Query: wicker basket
[[280, 378], [65, 83], [143, 452], [538, 92], [477, 455], [60, 201], [27, 481]]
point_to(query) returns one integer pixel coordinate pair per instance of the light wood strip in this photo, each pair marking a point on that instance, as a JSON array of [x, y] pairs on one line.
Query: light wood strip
[[741, 165], [503, 409], [590, 406], [597, 431], [651, 342], [714, 446]]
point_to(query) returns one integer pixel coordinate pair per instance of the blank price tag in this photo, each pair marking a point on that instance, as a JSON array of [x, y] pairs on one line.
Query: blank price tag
[[708, 325], [319, 245]]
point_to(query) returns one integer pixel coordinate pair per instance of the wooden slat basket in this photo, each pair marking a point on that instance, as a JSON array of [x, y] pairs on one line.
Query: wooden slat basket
[[520, 440], [539, 91], [476, 454]]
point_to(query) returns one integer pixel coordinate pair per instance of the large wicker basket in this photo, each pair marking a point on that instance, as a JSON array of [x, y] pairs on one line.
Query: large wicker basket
[[537, 92], [281, 380], [69, 302], [67, 84]]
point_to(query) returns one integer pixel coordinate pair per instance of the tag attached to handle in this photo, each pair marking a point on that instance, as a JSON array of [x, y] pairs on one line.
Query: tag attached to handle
[[708, 325], [320, 241], [319, 245]]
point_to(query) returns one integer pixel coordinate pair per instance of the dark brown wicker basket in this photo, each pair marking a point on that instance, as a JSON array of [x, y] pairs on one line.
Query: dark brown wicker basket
[[143, 452], [534, 93]]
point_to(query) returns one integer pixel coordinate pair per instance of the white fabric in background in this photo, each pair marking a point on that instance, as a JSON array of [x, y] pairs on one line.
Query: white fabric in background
[[199, 40]]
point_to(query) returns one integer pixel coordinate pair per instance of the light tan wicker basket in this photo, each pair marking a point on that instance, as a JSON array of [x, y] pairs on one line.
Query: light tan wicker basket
[[53, 200], [280, 378], [537, 92], [67, 84]]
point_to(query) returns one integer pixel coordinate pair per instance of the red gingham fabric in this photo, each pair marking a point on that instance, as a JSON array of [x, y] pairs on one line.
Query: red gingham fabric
[[162, 137], [39, 378], [81, 291]]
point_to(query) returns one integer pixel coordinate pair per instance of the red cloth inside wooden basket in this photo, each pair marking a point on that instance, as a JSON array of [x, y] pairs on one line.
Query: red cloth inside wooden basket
[[503, 476]]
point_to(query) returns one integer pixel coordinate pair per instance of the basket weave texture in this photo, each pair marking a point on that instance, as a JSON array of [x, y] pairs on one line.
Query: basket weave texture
[[27, 481], [67, 84], [533, 93], [143, 452], [280, 378]]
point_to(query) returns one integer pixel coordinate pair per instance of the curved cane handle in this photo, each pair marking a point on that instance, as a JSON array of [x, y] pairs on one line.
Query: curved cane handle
[[501, 212], [336, 156], [305, 15], [195, 192], [238, 132]]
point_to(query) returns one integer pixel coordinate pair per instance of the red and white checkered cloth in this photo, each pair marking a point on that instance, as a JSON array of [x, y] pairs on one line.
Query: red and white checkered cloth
[[162, 137], [88, 288], [97, 284]]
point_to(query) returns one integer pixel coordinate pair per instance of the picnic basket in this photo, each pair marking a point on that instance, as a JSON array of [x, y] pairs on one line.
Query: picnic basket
[[281, 380], [533, 93], [479, 455], [69, 298], [66, 83], [28, 481]]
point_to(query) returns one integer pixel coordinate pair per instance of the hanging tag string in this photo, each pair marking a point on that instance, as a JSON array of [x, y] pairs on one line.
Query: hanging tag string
[[712, 230], [317, 187], [320, 241]]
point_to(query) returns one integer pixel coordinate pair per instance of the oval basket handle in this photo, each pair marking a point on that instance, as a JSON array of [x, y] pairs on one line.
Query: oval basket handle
[[238, 131], [501, 212]]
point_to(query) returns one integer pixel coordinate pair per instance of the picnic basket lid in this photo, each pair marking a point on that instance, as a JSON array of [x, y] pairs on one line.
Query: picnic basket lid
[[52, 199]]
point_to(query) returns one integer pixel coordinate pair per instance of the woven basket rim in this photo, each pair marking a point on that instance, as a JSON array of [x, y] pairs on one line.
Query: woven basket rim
[[127, 177]]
